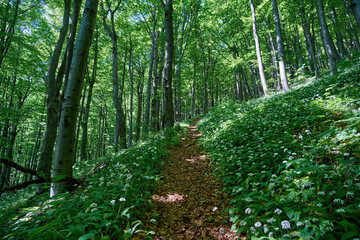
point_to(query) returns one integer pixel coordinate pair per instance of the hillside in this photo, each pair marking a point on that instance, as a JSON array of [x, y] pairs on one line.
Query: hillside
[[290, 162]]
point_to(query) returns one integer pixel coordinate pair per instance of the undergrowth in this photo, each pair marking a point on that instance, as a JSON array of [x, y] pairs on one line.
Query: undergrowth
[[290, 162], [110, 205]]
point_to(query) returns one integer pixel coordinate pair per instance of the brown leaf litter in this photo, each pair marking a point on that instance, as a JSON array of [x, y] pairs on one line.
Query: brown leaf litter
[[189, 203]]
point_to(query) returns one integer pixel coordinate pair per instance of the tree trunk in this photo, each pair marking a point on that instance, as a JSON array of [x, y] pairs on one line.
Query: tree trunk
[[154, 112], [53, 88], [6, 33], [355, 7], [131, 96], [64, 151], [279, 42], [120, 127], [273, 57], [159, 78], [70, 44], [326, 35], [308, 40], [168, 105], [340, 41], [193, 89], [148, 88], [258, 51], [352, 28], [139, 88], [79, 124], [84, 137]]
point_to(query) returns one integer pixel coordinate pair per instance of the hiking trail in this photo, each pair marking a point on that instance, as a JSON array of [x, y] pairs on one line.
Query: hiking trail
[[189, 203]]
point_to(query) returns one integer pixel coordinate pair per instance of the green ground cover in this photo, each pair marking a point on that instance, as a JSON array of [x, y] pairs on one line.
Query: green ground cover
[[291, 162]]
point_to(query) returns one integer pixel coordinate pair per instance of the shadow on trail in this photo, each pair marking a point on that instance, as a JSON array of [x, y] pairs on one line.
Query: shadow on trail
[[189, 203]]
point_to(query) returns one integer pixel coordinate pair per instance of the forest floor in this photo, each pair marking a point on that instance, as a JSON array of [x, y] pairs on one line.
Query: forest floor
[[189, 203]]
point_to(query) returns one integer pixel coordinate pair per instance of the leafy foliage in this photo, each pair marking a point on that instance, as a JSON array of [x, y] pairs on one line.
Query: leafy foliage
[[111, 205], [291, 162]]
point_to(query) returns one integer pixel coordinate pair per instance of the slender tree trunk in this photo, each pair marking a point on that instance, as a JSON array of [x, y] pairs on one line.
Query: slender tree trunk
[[308, 40], [168, 105], [193, 89], [273, 55], [131, 96], [256, 92], [84, 137], [339, 36], [159, 78], [355, 7], [7, 33], [64, 151], [139, 88], [148, 89], [70, 44], [326, 35], [5, 135], [279, 42], [79, 124], [53, 88], [154, 112], [258, 51], [352, 28], [120, 128]]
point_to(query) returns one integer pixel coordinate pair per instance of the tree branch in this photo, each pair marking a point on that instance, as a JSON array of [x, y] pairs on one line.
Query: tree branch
[[40, 179], [18, 167]]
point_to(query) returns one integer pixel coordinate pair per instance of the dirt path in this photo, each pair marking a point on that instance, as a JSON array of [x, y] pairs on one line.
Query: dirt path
[[188, 204]]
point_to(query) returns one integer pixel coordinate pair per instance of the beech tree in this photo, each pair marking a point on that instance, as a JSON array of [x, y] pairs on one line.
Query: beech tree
[[258, 51], [168, 115], [120, 130], [64, 151], [279, 42]]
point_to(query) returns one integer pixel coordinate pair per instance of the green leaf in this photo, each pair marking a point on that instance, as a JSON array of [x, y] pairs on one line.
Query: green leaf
[[297, 216], [58, 178], [87, 236]]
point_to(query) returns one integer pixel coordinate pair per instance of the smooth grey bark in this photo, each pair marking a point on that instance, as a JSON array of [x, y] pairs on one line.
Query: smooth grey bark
[[159, 106], [139, 91], [326, 35], [339, 36], [155, 126], [246, 84], [355, 7], [120, 127], [273, 57], [84, 136], [354, 40], [308, 40], [168, 104], [204, 73], [131, 95], [280, 46], [71, 41], [193, 89], [352, 28], [148, 87], [81, 112], [258, 51], [64, 151], [53, 85]]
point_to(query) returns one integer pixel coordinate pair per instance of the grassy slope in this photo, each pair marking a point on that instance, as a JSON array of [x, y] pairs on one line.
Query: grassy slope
[[291, 162], [110, 206]]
